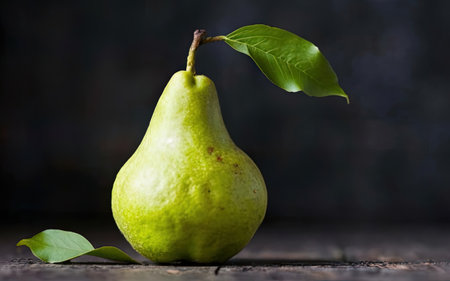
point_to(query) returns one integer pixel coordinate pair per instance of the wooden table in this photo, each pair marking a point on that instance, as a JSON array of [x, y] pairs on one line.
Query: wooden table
[[279, 251]]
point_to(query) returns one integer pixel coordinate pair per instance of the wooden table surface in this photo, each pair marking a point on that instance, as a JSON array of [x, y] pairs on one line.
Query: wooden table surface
[[279, 251]]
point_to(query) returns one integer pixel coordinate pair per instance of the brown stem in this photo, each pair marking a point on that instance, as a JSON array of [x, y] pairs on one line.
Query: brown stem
[[199, 39]]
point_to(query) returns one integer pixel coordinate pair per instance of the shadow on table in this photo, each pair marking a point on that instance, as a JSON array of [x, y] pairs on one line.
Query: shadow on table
[[230, 263], [261, 262], [282, 262]]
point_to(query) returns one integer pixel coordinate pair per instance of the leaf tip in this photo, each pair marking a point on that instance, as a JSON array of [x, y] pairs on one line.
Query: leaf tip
[[343, 94], [347, 99]]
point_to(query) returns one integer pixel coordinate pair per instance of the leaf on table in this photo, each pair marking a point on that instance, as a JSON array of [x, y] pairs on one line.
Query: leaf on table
[[54, 245], [289, 61]]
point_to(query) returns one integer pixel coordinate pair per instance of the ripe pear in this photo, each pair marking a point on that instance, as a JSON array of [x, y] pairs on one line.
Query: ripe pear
[[188, 193]]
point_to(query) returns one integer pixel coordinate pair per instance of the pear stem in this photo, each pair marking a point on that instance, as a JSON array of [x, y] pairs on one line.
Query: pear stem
[[199, 39]]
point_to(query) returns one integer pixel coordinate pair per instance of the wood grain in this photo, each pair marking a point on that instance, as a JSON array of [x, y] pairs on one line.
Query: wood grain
[[279, 251]]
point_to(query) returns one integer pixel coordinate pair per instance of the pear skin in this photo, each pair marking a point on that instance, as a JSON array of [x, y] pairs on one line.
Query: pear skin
[[188, 193]]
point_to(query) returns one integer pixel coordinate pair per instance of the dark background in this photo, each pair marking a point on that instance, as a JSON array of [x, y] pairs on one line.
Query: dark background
[[80, 80]]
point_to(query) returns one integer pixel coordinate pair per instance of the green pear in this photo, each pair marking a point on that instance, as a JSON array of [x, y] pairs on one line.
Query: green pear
[[188, 193]]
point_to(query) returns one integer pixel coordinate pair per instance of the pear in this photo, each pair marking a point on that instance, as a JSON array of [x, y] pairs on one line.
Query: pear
[[188, 193]]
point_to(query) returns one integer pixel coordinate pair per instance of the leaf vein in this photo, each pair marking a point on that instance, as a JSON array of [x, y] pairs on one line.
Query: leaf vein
[[299, 69]]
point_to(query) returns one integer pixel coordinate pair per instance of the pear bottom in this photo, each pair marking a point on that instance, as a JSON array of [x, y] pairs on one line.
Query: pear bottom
[[202, 217]]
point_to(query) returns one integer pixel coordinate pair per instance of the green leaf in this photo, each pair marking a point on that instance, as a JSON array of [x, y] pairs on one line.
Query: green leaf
[[54, 245], [289, 61]]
